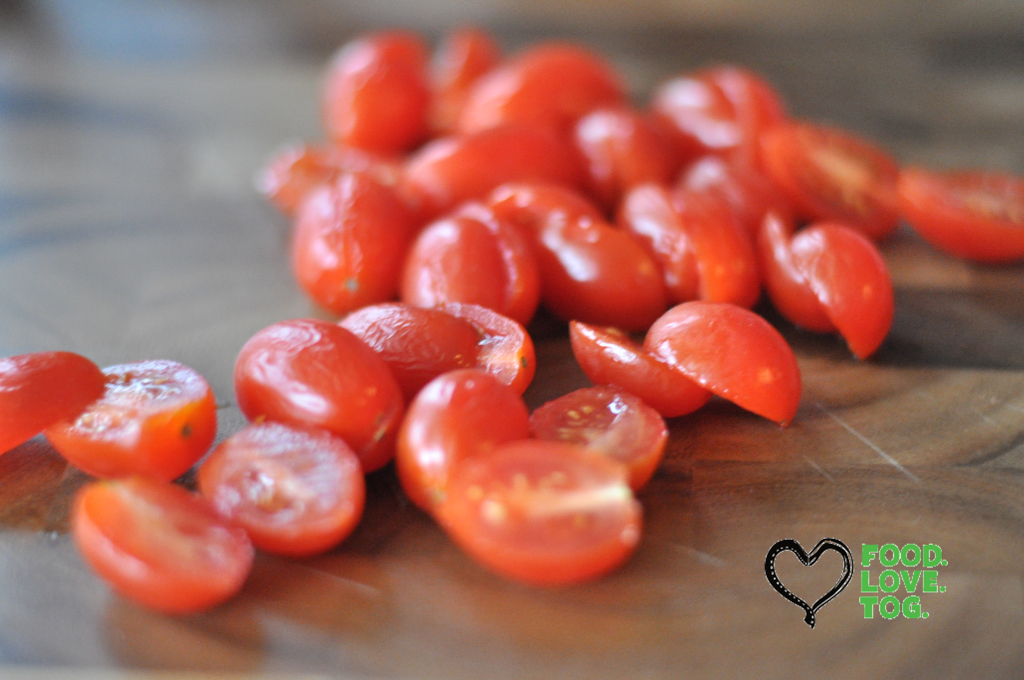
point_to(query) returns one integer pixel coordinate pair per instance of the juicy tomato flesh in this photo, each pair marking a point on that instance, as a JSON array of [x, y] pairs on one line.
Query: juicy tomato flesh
[[505, 349], [462, 59], [155, 419]]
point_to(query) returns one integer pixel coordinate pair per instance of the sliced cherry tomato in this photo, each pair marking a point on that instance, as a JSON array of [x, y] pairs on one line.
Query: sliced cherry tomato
[[732, 352], [975, 215], [155, 419], [462, 58], [311, 372], [756, 105], [609, 357], [451, 170], [473, 257], [549, 85], [831, 175], [786, 282], [160, 545], [376, 95], [350, 242], [295, 491], [542, 512], [749, 193], [459, 414], [505, 349], [42, 388], [610, 421]]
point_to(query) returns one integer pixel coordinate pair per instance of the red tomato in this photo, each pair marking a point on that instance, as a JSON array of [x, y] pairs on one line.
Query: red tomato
[[786, 282], [749, 193], [505, 349], [310, 372], [349, 243], [975, 215], [462, 58], [610, 421], [827, 174], [42, 388], [609, 357], [295, 491], [473, 257], [589, 270], [459, 414], [159, 545], [732, 352], [546, 513], [451, 170], [549, 85], [376, 94], [156, 419], [756, 105]]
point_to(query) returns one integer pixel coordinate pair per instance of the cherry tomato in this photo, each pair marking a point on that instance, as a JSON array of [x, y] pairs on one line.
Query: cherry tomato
[[159, 545], [505, 349], [471, 256], [350, 242], [589, 270], [609, 357], [376, 94], [311, 372], [830, 175], [451, 170], [542, 512], [610, 421], [549, 85], [747, 192], [732, 352], [155, 419], [462, 58], [622, 149], [786, 282], [975, 215], [295, 491], [756, 105], [459, 414], [42, 388]]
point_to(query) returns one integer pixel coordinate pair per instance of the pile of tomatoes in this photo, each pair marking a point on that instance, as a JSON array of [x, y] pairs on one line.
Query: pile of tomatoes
[[451, 200]]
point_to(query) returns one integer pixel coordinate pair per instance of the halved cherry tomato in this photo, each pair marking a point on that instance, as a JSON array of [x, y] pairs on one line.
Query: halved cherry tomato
[[749, 193], [459, 414], [550, 85], [786, 282], [542, 512], [159, 545], [155, 419], [471, 256], [42, 388], [831, 175], [311, 372], [609, 357], [732, 352], [376, 94], [462, 58], [295, 491], [757, 107], [610, 421], [975, 215], [505, 349], [350, 242]]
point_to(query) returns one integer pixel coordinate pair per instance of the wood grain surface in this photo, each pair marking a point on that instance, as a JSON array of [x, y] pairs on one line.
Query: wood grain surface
[[129, 229]]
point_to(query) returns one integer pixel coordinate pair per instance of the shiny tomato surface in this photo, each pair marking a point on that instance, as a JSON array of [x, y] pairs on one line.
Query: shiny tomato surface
[[749, 194], [505, 349], [462, 58]]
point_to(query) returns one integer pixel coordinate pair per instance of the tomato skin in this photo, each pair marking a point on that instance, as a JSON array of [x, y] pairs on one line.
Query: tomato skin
[[42, 388], [757, 107], [542, 512], [311, 372], [732, 352], [159, 545], [376, 94], [549, 85], [295, 491], [463, 57], [505, 349], [786, 281], [155, 419], [974, 215], [747, 192], [459, 414], [349, 243], [609, 357], [610, 421], [831, 175]]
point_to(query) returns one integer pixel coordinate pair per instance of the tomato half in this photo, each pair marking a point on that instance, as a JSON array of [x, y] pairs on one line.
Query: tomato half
[[785, 281], [747, 192], [732, 352], [42, 388], [155, 419], [460, 414], [975, 215], [159, 545], [542, 512], [295, 491], [610, 421], [462, 58], [505, 349]]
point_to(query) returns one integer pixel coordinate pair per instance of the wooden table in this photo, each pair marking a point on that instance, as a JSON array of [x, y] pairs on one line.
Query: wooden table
[[129, 229]]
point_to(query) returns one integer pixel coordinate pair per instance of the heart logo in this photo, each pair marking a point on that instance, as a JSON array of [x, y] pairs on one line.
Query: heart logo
[[808, 560]]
